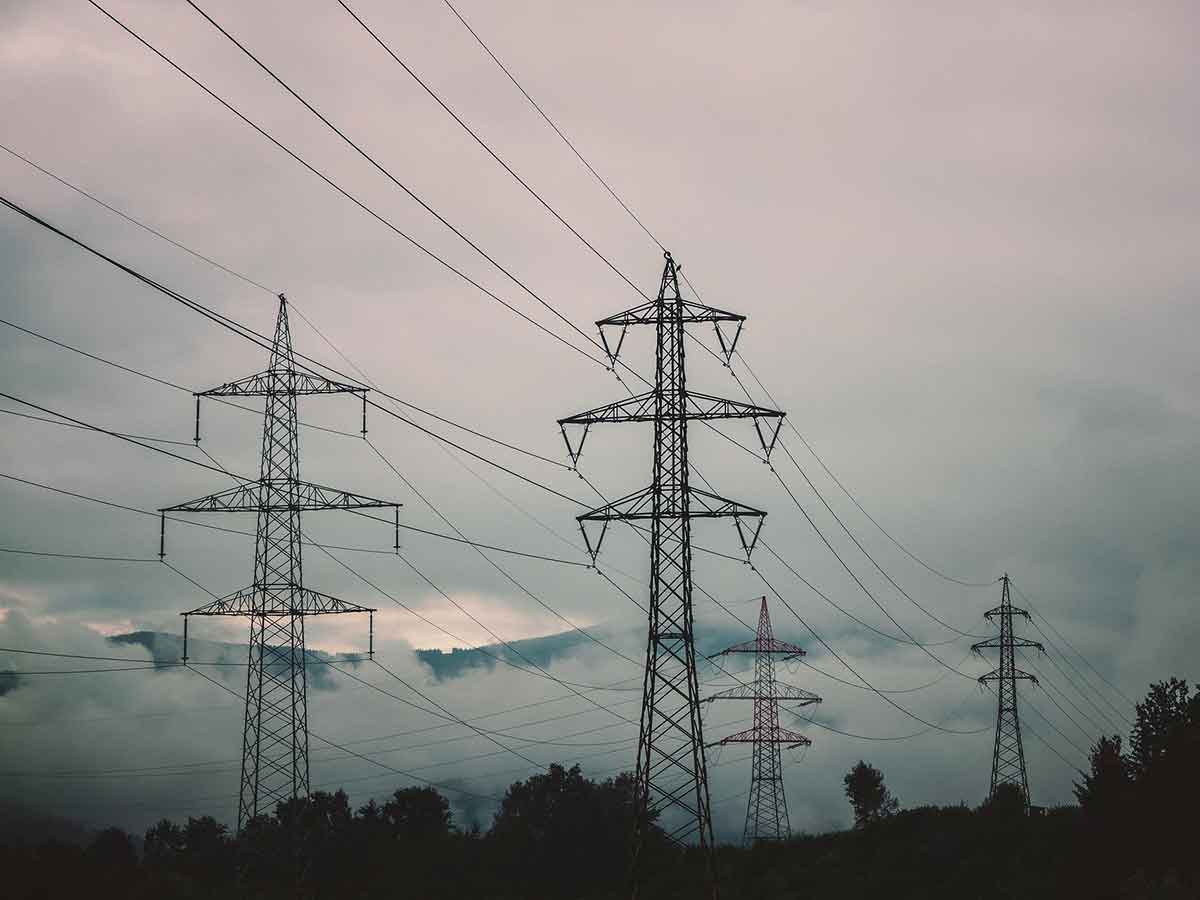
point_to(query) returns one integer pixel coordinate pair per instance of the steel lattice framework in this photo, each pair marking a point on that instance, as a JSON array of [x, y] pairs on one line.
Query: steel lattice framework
[[671, 776], [1008, 753], [275, 733], [766, 810]]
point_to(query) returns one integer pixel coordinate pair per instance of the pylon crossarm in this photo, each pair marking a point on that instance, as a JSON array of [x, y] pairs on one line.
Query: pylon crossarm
[[290, 382], [257, 601], [705, 406], [642, 408], [757, 735], [771, 645], [302, 495], [774, 692], [996, 675], [700, 505], [651, 313], [1000, 610]]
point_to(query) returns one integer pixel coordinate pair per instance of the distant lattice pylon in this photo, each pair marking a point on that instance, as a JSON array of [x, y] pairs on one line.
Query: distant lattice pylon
[[275, 731], [1008, 752], [766, 810]]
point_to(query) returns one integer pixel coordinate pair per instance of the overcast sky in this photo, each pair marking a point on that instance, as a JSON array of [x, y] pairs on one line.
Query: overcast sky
[[964, 236]]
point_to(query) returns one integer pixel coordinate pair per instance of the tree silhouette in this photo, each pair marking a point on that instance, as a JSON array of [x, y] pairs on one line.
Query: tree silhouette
[[560, 828], [417, 814], [1104, 790], [868, 795], [1162, 718], [1164, 751]]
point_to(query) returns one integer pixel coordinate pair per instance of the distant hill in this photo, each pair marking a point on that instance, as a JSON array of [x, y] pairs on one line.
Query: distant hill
[[443, 664]]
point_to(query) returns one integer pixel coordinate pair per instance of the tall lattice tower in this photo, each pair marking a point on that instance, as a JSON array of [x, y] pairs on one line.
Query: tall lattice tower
[[766, 810], [275, 733], [671, 775], [1008, 753]]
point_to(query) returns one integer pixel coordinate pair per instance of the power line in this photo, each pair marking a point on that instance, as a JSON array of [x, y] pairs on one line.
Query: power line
[[392, 769], [1075, 684], [324, 547], [787, 451], [860, 583], [1044, 681], [847, 665], [886, 738], [492, 153], [845, 612], [46, 553], [388, 174], [140, 437], [541, 112], [92, 356], [1063, 638], [493, 563], [329, 181], [258, 339], [137, 222], [932, 569]]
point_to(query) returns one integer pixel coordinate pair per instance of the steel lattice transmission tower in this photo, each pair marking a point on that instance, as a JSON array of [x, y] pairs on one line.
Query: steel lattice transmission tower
[[671, 781], [275, 734], [766, 810], [1008, 753]]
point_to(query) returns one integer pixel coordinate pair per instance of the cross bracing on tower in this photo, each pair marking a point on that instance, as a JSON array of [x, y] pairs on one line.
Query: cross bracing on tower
[[671, 781], [766, 809], [275, 730]]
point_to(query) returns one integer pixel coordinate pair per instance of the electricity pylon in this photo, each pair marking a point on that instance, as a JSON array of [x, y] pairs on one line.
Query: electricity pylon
[[1008, 753], [671, 782], [766, 810], [275, 733]]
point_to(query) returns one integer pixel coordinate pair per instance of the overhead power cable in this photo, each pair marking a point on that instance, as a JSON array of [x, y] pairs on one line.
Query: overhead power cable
[[47, 553], [888, 700], [857, 543], [886, 738], [195, 524], [337, 187], [440, 785], [628, 210], [541, 112], [1045, 683], [845, 612], [138, 223], [507, 575], [900, 546], [1033, 608], [388, 174], [324, 547], [492, 153], [256, 338], [1120, 722]]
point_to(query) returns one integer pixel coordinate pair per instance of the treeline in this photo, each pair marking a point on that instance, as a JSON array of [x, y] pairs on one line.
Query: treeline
[[561, 835]]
